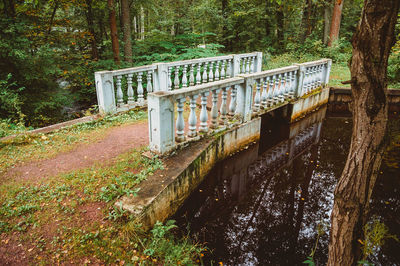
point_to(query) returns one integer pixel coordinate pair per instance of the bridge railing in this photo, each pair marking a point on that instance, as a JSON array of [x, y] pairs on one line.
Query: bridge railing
[[247, 94], [123, 89]]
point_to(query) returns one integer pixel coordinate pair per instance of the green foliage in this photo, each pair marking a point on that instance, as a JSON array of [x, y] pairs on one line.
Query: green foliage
[[321, 230]]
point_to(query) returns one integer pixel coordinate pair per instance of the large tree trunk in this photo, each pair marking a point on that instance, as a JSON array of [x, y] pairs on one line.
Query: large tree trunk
[[306, 20], [267, 20], [90, 22], [335, 24], [126, 23], [372, 42], [327, 20], [280, 21], [113, 29]]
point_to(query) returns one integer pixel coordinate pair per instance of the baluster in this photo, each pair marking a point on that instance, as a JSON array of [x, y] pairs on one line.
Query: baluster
[[312, 87], [120, 95], [184, 76], [257, 98], [252, 65], [204, 80], [130, 89], [306, 79], [223, 109], [203, 112], [217, 71], [232, 104], [211, 73], [176, 80], [169, 78], [264, 94], [243, 65], [293, 84], [149, 83], [229, 69], [321, 67], [277, 89], [223, 69], [248, 65], [283, 86], [140, 88], [271, 88], [214, 109], [191, 76], [180, 122], [288, 84], [198, 74], [192, 117]]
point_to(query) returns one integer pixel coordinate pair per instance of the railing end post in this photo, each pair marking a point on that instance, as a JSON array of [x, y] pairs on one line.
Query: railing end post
[[258, 64], [105, 92]]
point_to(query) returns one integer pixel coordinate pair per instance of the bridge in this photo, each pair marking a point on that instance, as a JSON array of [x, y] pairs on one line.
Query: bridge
[[202, 111]]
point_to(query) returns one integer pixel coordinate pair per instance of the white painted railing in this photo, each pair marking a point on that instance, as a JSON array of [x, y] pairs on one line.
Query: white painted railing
[[123, 89], [247, 94]]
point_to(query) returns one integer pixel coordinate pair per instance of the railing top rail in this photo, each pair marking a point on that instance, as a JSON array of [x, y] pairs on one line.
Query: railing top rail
[[199, 60], [131, 70], [247, 54], [315, 63], [270, 72], [189, 91]]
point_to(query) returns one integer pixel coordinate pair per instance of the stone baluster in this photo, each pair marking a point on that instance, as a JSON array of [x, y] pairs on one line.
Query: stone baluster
[[223, 69], [283, 86], [306, 80], [257, 98], [130, 89], [252, 65], [214, 109], [211, 73], [191, 76], [229, 69], [287, 84], [198, 74], [192, 117], [184, 76], [120, 95], [293, 84], [243, 65], [223, 109], [277, 89], [312, 87], [180, 122], [248, 65], [149, 82], [232, 104], [321, 67], [169, 78], [140, 88], [204, 80], [176, 80], [271, 88], [203, 112], [264, 95], [217, 70]]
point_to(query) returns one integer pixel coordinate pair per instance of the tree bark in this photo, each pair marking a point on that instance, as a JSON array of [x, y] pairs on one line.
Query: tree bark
[[280, 21], [90, 22], [327, 21], [53, 14], [113, 29], [335, 24], [126, 24], [372, 42], [306, 20]]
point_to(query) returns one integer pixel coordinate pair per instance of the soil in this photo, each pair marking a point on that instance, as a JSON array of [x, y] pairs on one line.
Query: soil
[[117, 141]]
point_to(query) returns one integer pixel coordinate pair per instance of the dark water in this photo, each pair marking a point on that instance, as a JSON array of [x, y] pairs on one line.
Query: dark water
[[262, 205]]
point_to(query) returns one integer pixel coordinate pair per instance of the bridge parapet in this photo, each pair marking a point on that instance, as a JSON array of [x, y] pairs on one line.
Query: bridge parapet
[[248, 94], [133, 84]]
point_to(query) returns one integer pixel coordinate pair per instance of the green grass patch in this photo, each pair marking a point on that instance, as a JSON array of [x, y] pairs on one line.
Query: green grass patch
[[40, 146]]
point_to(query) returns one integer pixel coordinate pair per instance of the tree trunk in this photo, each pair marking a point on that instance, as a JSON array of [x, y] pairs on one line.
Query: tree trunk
[[327, 21], [267, 19], [53, 14], [141, 23], [306, 20], [225, 33], [335, 24], [90, 22], [280, 21], [372, 42], [126, 22], [113, 29]]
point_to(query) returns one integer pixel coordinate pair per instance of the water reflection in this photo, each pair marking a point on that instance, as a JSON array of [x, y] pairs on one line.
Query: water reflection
[[261, 206]]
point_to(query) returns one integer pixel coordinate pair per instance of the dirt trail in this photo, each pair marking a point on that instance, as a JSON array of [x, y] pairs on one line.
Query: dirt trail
[[117, 141]]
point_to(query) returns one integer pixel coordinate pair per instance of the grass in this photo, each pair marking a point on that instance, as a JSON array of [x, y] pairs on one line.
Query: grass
[[72, 218], [41, 146]]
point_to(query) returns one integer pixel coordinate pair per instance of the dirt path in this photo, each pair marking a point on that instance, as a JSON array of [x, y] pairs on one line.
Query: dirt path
[[117, 141]]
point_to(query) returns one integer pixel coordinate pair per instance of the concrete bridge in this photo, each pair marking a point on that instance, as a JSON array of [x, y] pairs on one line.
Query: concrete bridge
[[201, 111]]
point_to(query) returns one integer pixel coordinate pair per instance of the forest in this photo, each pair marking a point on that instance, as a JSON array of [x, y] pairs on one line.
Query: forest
[[49, 50]]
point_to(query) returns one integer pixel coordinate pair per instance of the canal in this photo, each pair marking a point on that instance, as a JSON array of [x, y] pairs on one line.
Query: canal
[[263, 205]]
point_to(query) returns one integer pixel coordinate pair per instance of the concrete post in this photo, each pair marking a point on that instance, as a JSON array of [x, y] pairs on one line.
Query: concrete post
[[244, 99], [161, 122], [300, 80], [258, 63], [160, 77], [105, 92], [327, 72], [236, 66]]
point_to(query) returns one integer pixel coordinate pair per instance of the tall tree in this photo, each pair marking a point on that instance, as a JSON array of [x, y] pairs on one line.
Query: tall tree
[[327, 21], [335, 24], [90, 22], [126, 28], [372, 43], [113, 29]]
